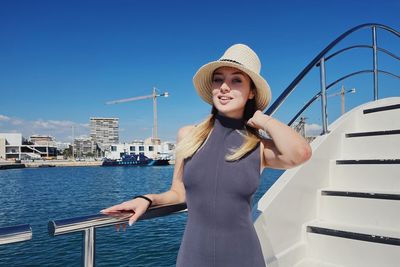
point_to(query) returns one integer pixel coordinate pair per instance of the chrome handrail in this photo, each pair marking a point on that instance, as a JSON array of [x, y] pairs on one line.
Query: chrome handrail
[[320, 60], [89, 224], [318, 95], [14, 234]]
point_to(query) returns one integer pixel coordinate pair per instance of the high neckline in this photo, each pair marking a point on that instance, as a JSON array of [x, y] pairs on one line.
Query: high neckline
[[229, 122]]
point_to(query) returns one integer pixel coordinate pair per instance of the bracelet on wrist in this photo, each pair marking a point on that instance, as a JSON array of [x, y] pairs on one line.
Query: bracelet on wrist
[[144, 197]]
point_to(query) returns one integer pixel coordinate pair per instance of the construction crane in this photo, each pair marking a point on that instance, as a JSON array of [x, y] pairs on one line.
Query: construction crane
[[300, 126], [154, 95], [342, 92]]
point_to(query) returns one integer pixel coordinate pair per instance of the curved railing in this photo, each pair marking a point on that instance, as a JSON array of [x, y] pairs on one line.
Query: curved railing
[[323, 57], [88, 225]]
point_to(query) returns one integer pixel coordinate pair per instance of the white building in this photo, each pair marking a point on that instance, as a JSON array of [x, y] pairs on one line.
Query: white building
[[10, 145], [61, 146], [84, 147], [163, 150], [14, 146], [104, 131], [43, 140]]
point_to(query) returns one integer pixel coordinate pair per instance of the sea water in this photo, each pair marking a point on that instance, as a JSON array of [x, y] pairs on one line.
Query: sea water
[[35, 196]]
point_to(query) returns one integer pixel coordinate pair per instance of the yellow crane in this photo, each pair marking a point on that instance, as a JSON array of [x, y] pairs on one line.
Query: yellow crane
[[155, 140]]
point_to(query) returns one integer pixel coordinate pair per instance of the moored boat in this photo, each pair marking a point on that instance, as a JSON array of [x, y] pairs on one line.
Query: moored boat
[[135, 160]]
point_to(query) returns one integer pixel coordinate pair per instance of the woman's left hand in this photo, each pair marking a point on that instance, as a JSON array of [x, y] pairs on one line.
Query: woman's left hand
[[285, 148], [259, 120]]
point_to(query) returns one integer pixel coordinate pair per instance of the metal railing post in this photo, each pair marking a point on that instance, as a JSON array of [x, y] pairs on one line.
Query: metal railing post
[[375, 62], [89, 243], [323, 96]]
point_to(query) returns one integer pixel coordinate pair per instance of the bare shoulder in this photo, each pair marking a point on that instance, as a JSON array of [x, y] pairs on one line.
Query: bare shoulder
[[183, 131]]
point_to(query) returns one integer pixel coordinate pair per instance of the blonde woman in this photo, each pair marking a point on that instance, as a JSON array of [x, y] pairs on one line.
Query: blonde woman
[[219, 162]]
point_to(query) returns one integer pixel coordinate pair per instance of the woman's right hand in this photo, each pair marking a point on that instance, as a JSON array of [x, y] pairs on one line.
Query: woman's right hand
[[137, 206]]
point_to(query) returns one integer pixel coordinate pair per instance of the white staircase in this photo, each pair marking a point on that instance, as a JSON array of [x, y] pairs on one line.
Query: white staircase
[[341, 208]]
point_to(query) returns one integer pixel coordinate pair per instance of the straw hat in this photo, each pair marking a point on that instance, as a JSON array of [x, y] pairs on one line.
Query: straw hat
[[241, 57]]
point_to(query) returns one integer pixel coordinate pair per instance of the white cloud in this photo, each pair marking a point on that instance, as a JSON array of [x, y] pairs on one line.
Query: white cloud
[[60, 129], [313, 129], [16, 122], [4, 118], [53, 124], [85, 125]]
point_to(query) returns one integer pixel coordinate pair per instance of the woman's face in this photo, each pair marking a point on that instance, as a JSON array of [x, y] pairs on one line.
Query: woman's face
[[230, 91]]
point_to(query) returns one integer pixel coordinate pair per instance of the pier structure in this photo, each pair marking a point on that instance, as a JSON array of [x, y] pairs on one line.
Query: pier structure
[[13, 146]]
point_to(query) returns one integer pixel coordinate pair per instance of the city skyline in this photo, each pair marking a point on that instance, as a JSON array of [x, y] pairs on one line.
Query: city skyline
[[63, 60]]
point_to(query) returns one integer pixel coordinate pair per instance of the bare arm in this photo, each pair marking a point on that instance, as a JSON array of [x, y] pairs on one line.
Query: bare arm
[[286, 148]]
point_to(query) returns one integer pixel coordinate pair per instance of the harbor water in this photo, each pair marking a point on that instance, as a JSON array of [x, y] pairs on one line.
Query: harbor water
[[36, 195]]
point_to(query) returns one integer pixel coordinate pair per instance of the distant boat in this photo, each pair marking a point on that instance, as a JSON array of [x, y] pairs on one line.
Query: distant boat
[[46, 165], [135, 160], [7, 166]]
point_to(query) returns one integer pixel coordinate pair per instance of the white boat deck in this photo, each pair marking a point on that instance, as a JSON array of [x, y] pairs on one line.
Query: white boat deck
[[342, 208]]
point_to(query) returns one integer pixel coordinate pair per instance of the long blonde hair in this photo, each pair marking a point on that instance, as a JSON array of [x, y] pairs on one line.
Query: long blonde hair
[[198, 135]]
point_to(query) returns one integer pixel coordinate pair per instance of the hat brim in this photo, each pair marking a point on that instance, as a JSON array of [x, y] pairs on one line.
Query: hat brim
[[202, 81]]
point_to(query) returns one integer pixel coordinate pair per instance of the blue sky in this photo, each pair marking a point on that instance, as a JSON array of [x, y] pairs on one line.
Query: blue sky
[[60, 61]]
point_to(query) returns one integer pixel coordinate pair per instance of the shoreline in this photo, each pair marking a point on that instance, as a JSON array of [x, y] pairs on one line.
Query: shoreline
[[53, 163], [48, 164]]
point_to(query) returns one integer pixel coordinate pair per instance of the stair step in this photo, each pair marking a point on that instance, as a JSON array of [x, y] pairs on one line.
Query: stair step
[[372, 133], [379, 118], [368, 161], [371, 145], [365, 177], [368, 234], [357, 207], [310, 262], [382, 108], [346, 193], [344, 245]]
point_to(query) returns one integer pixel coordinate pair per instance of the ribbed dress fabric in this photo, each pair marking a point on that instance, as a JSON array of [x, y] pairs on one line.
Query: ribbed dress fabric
[[219, 231]]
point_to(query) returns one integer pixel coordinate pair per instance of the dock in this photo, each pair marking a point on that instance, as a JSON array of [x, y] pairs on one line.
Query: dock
[[48, 163], [62, 163], [7, 165]]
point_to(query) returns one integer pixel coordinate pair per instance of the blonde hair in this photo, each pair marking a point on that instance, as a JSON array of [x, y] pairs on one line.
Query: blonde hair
[[197, 137]]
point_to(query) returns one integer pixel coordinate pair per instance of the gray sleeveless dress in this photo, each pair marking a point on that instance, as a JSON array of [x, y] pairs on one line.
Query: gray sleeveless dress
[[219, 194]]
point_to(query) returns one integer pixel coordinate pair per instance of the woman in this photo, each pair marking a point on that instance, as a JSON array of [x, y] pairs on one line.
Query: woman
[[219, 161]]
